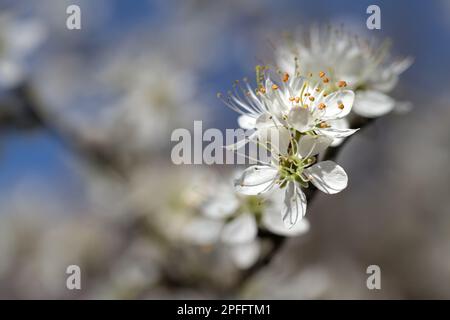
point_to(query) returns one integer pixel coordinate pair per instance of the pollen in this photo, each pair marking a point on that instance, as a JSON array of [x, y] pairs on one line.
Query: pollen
[[341, 106], [341, 84], [274, 87], [285, 77], [321, 74], [322, 106]]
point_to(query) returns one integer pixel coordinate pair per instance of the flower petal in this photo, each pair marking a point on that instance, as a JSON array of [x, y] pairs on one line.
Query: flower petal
[[247, 122], [240, 230], [222, 205], [372, 104], [273, 222], [311, 145], [256, 179], [245, 255], [202, 231], [327, 176], [300, 119], [338, 130], [294, 205], [334, 103]]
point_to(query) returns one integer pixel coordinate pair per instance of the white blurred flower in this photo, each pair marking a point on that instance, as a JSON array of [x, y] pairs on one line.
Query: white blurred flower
[[18, 38], [233, 220], [367, 70]]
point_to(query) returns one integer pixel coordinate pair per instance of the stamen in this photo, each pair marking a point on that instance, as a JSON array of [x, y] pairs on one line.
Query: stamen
[[285, 77], [311, 98], [321, 74], [325, 80], [274, 87], [341, 84], [322, 106], [341, 105]]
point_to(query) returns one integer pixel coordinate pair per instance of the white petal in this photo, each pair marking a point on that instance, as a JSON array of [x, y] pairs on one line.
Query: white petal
[[311, 145], [247, 122], [334, 100], [202, 231], [300, 119], [338, 131], [294, 205], [273, 222], [327, 176], [277, 139], [372, 104], [264, 121], [222, 205], [256, 179], [246, 254], [240, 230]]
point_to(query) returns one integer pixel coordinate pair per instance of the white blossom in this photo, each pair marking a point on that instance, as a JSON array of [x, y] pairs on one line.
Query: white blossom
[[303, 104], [367, 70], [290, 172]]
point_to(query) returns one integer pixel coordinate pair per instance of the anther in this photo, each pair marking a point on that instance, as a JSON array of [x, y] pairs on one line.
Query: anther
[[274, 87], [285, 77], [341, 84], [321, 74]]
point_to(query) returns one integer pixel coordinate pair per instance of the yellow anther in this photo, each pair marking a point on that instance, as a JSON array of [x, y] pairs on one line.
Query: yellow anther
[[341, 105], [285, 77], [291, 99], [322, 106], [311, 98], [325, 80], [274, 87], [321, 74]]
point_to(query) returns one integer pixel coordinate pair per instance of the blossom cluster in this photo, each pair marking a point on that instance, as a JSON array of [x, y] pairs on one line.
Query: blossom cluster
[[298, 109]]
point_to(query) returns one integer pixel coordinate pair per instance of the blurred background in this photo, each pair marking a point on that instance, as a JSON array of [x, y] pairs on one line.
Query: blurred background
[[86, 176]]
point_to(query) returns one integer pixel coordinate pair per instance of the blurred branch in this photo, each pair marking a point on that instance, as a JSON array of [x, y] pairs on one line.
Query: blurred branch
[[26, 111]]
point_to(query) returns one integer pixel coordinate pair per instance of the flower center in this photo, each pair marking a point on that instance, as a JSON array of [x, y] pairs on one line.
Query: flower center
[[291, 169]]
